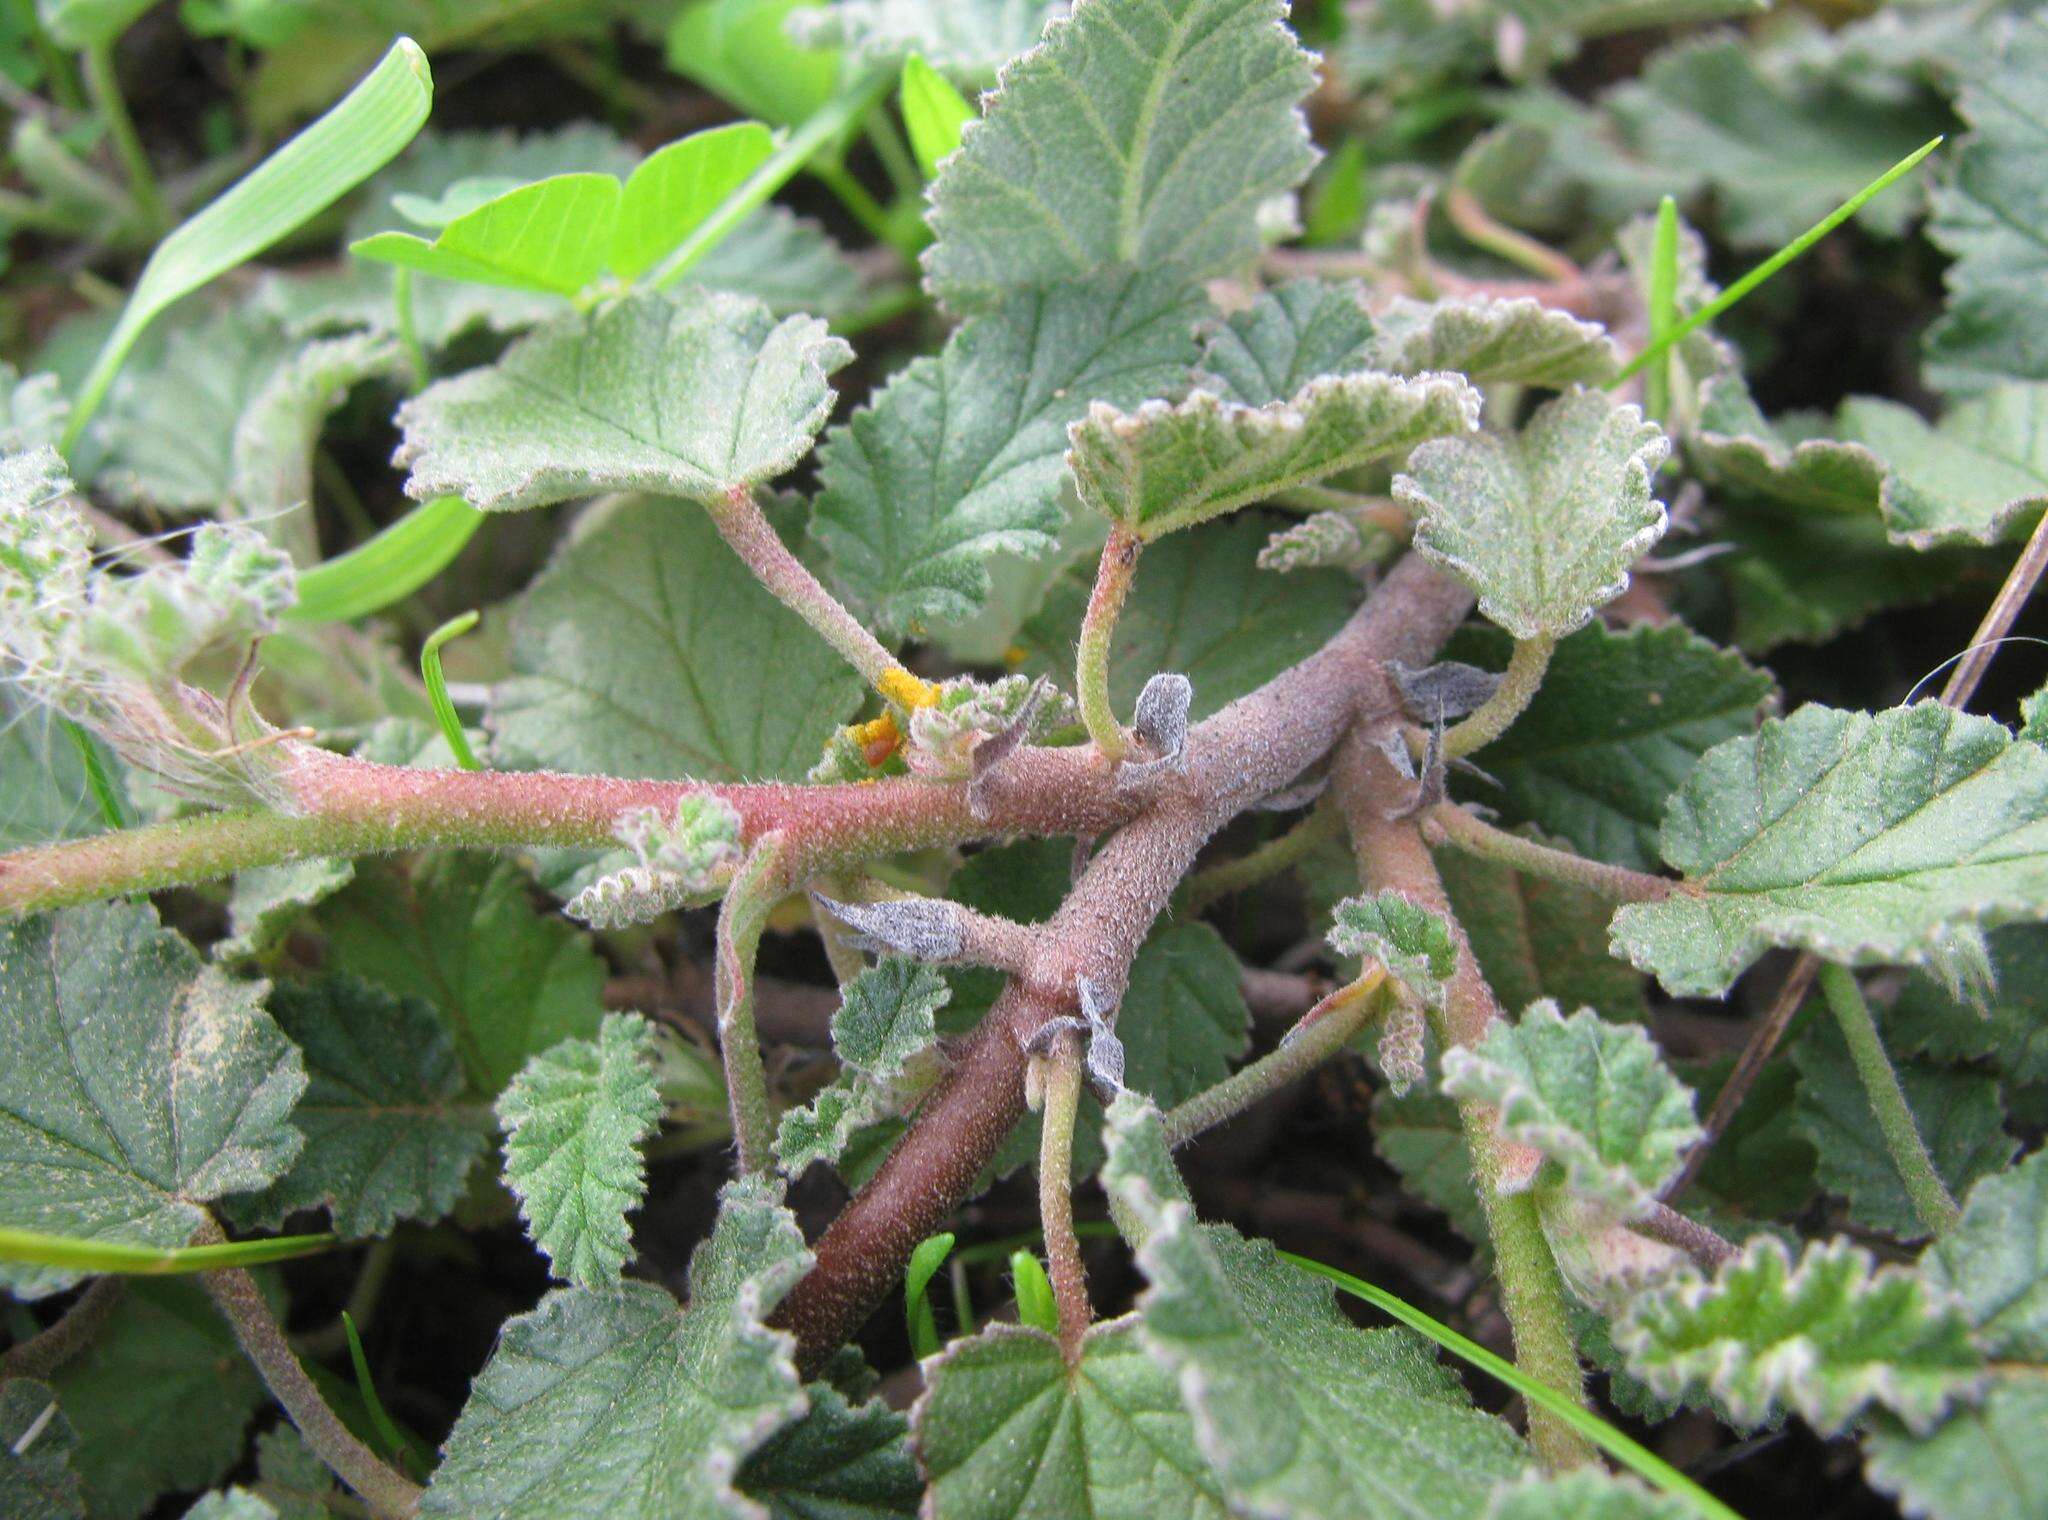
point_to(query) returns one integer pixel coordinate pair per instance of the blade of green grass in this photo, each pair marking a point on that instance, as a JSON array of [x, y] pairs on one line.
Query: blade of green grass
[[389, 567], [1658, 347], [1663, 305], [395, 1445], [437, 687], [1646, 1464], [145, 1261], [304, 177], [843, 109], [925, 1261]]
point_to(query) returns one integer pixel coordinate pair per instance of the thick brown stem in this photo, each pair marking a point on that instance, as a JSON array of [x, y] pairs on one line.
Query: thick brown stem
[[1235, 758]]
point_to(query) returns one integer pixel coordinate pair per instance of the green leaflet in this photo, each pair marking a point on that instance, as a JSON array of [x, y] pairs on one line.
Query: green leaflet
[[959, 457], [1828, 1337], [742, 50], [1596, 1099], [1287, 337], [1885, 839], [559, 234], [136, 1085], [1992, 218], [1165, 467], [1545, 525], [461, 933], [685, 393], [623, 1404], [1140, 133], [1518, 341], [386, 1137], [1006, 1432], [1299, 1413], [933, 113], [1956, 1110], [160, 1399], [574, 1119], [645, 649], [1618, 724], [37, 1444], [1202, 607]]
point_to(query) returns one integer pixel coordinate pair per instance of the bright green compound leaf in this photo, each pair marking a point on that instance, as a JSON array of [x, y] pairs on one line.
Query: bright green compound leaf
[[136, 1085], [1976, 1464], [1956, 1110], [1005, 1429], [1546, 524], [552, 235], [933, 113], [1163, 467], [959, 457], [160, 1399], [559, 234], [298, 181], [1587, 1494], [1300, 1413], [685, 393], [1519, 342], [625, 1406], [1287, 337], [1996, 1261], [1977, 476], [1620, 721], [1886, 839], [1411, 942], [386, 1137], [1992, 218], [1828, 1338], [461, 933], [741, 50], [841, 1461], [1595, 1098], [574, 1120], [682, 665], [1188, 122], [37, 1444], [1202, 607], [968, 39]]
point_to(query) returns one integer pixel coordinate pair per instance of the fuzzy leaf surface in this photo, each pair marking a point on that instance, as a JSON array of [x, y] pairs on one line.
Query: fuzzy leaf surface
[[1005, 1430], [841, 1461], [267, 900], [1288, 336], [386, 1135], [1975, 1465], [1140, 133], [1926, 1020], [1535, 938], [1892, 838], [645, 649], [1992, 218], [1300, 1413], [1587, 1494], [1977, 476], [1169, 466], [1595, 1098], [624, 1404], [461, 933], [574, 1120], [1519, 341], [1545, 525], [36, 1448], [1411, 942], [1827, 1337], [967, 38], [136, 1085], [688, 393], [1996, 1261], [1618, 724], [960, 456]]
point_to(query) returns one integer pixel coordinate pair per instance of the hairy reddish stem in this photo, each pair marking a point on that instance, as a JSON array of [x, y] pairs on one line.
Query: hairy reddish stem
[[1235, 758]]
